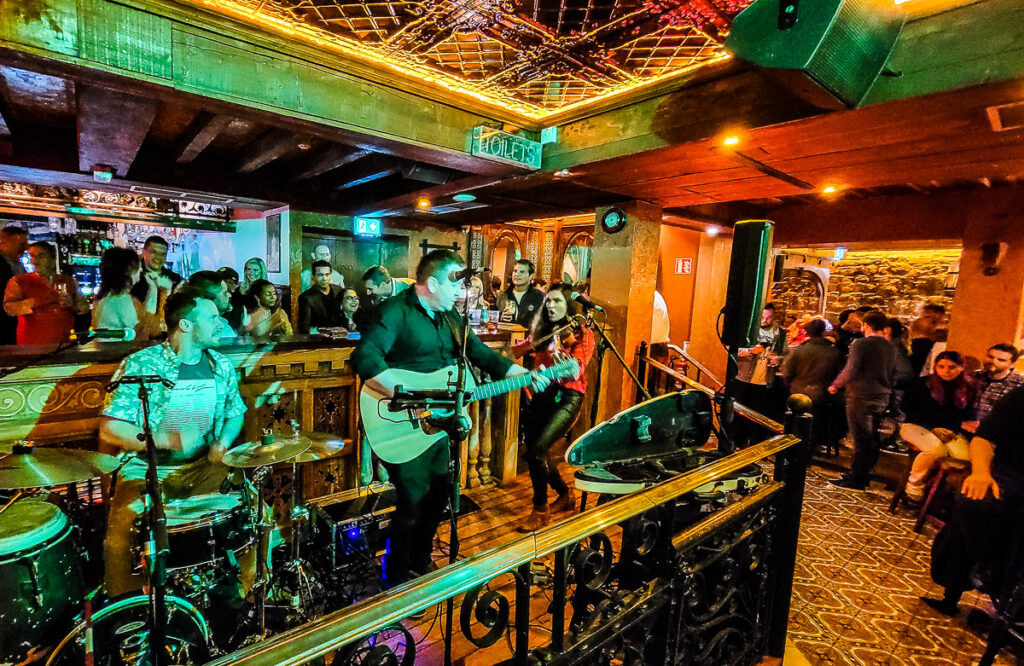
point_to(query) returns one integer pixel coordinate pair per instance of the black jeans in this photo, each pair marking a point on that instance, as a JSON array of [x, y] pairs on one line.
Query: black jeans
[[551, 415], [421, 493], [863, 414]]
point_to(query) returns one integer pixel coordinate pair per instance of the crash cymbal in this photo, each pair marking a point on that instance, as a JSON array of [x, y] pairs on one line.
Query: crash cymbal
[[322, 445], [39, 468], [257, 454]]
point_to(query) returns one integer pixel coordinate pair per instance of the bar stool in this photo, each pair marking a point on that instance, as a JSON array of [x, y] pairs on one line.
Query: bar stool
[[948, 469]]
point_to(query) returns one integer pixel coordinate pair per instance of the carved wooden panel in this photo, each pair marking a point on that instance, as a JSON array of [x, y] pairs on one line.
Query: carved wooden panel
[[274, 411], [333, 410]]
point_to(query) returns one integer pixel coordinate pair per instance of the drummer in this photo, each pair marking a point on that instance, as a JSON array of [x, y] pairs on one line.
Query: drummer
[[193, 424], [942, 402]]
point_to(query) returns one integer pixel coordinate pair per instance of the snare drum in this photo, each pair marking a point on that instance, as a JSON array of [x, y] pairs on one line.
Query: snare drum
[[206, 528], [121, 635]]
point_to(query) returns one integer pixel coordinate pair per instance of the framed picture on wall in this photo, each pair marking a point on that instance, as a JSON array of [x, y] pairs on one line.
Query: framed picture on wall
[[274, 243]]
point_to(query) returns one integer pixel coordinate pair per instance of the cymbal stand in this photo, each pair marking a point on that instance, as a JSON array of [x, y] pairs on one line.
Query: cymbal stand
[[295, 568], [260, 586]]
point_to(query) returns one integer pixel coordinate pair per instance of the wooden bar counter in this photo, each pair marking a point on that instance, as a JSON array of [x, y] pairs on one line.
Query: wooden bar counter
[[307, 379]]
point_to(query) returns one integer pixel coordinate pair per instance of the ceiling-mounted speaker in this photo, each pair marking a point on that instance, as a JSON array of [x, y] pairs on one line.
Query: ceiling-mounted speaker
[[829, 52]]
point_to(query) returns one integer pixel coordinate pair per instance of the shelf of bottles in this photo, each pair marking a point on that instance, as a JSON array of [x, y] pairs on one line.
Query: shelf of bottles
[[79, 249]]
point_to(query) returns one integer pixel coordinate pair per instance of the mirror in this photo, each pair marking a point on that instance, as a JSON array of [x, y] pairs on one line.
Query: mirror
[[504, 252], [577, 259]]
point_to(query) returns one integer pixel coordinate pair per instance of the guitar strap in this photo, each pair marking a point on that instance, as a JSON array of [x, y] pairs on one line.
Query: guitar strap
[[456, 335]]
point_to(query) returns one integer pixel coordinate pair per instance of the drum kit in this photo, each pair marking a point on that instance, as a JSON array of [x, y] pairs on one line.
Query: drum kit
[[45, 566]]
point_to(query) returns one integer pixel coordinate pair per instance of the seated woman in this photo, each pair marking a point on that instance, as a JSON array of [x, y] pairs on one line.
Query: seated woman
[[940, 402], [552, 412], [115, 306], [268, 319]]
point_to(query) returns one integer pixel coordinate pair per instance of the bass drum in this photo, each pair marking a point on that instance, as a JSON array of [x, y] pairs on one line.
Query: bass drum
[[120, 635], [40, 575]]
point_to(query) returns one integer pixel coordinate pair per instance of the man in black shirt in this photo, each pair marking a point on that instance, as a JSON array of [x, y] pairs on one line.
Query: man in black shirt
[[522, 300], [869, 378], [13, 244], [320, 305], [416, 331], [987, 519]]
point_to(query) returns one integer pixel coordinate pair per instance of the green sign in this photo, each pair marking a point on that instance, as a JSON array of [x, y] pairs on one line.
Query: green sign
[[504, 147]]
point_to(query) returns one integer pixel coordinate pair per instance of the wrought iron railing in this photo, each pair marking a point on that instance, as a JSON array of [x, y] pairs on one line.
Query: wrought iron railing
[[631, 581]]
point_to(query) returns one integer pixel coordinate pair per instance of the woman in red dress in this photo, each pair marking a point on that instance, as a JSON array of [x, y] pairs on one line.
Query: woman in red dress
[[44, 303]]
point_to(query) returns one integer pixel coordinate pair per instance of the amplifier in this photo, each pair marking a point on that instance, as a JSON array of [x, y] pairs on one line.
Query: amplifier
[[352, 525]]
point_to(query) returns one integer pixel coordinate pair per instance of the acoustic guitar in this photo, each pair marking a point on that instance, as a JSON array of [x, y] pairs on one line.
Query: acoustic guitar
[[399, 436]]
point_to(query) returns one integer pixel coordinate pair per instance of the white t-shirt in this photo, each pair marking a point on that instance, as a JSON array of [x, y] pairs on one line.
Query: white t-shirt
[[192, 403]]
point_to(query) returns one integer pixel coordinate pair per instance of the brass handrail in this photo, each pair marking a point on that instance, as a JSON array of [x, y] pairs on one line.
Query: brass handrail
[[335, 630], [742, 410], [697, 364]]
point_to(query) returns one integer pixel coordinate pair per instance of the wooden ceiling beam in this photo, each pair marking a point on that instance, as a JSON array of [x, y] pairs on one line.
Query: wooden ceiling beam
[[326, 159], [111, 127], [272, 145], [200, 133]]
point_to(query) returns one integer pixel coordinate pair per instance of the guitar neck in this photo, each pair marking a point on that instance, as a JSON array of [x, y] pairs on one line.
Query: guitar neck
[[507, 385]]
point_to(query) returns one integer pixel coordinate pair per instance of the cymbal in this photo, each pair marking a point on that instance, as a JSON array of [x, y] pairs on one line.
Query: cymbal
[[38, 468], [257, 454], [322, 445]]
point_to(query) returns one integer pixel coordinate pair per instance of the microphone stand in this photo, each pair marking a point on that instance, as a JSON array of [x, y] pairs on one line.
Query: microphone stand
[[156, 547], [603, 344]]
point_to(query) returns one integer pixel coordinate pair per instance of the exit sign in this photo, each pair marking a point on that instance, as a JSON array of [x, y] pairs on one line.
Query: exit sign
[[684, 266], [367, 226], [504, 147]]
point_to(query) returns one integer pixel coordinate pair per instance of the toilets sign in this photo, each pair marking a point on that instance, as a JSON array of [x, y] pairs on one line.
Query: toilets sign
[[504, 147]]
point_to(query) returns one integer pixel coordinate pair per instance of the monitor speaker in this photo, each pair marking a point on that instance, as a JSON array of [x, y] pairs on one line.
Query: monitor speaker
[[829, 52], [748, 281]]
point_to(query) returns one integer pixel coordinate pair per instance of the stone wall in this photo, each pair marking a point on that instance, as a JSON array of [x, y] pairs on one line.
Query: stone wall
[[798, 292], [893, 281]]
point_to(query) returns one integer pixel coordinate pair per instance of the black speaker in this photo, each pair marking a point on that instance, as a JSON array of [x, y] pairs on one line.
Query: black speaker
[[748, 273], [828, 52]]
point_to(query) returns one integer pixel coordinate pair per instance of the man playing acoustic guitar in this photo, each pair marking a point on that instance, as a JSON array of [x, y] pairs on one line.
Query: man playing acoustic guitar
[[418, 331]]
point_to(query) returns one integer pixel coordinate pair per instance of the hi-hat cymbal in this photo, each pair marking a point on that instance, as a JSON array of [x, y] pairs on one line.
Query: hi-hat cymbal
[[39, 468], [322, 445], [257, 454]]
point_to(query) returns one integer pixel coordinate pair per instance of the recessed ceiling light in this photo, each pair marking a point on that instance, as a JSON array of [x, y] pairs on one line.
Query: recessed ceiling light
[[831, 189], [563, 173], [731, 140], [423, 202], [304, 146], [464, 197], [712, 231]]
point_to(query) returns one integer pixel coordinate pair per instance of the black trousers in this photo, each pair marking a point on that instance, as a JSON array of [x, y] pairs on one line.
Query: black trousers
[[551, 415], [863, 414], [980, 534], [421, 494]]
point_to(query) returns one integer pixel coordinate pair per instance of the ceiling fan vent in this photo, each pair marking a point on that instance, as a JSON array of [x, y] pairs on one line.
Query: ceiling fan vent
[[1006, 117]]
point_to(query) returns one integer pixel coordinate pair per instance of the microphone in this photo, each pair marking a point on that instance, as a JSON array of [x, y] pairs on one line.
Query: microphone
[[106, 333], [586, 302], [465, 274]]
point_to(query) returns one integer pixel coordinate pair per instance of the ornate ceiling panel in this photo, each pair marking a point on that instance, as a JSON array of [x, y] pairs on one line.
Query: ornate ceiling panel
[[534, 57]]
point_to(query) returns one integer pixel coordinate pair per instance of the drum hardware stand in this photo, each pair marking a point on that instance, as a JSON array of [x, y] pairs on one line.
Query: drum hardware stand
[[156, 547], [604, 343], [295, 566]]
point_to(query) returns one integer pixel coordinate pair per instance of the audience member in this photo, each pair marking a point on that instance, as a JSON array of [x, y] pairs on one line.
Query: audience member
[[379, 285], [942, 402], [320, 305], [937, 348], [320, 253], [810, 369], [987, 521], [994, 380], [521, 300], [156, 282], [115, 306], [211, 286], [756, 368], [268, 319], [928, 316], [869, 378], [254, 269], [351, 315], [13, 244], [241, 305], [44, 302], [849, 329]]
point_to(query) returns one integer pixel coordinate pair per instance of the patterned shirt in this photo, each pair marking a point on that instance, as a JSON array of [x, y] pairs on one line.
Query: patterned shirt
[[124, 404], [991, 390]]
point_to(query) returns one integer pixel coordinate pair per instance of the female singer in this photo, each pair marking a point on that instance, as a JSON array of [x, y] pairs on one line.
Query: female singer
[[552, 412]]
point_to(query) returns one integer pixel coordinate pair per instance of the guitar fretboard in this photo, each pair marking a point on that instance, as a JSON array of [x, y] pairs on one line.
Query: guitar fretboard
[[509, 384]]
